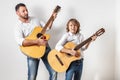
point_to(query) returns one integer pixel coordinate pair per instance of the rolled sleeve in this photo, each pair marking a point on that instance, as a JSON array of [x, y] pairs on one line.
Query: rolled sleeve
[[19, 41], [58, 47], [18, 36], [61, 43]]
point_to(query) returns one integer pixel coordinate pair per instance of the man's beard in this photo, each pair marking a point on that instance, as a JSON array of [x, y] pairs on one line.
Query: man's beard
[[25, 17]]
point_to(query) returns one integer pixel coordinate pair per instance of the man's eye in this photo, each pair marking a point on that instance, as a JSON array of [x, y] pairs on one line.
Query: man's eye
[[23, 11]]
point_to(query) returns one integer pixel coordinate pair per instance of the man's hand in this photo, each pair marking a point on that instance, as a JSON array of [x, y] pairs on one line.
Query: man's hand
[[54, 15], [41, 42]]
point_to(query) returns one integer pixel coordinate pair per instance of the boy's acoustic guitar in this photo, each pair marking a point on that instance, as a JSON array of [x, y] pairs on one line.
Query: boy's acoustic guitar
[[61, 61]]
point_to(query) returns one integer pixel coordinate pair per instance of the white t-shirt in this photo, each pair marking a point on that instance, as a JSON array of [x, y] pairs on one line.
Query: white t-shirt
[[22, 30]]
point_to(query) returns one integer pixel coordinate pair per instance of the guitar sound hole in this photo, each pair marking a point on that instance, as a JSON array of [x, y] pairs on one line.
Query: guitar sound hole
[[39, 35]]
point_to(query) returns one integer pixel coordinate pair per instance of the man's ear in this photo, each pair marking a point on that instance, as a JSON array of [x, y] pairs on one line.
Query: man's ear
[[17, 12]]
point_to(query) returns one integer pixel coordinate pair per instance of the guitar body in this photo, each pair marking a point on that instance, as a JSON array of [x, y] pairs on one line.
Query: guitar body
[[34, 51], [61, 61]]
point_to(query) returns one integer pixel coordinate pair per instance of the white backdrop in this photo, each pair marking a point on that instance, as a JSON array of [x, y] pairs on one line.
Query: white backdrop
[[117, 55], [101, 60]]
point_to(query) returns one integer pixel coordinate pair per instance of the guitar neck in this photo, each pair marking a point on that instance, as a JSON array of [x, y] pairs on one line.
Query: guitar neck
[[50, 19], [46, 25], [98, 33], [83, 43]]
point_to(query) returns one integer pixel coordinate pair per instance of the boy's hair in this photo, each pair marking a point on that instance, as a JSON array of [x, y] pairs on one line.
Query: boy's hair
[[75, 22], [19, 5]]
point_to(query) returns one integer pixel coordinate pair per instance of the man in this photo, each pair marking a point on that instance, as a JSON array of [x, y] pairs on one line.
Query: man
[[24, 27]]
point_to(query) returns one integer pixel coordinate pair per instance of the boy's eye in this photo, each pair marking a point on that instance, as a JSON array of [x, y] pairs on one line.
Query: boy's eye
[[71, 25]]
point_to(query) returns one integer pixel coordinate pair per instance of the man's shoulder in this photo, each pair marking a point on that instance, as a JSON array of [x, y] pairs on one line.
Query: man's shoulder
[[33, 18]]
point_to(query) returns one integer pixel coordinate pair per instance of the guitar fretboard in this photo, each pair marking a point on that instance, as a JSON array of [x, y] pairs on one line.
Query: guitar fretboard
[[83, 43]]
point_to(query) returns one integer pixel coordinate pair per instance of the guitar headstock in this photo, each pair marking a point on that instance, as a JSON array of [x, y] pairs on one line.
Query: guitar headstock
[[57, 9], [100, 32]]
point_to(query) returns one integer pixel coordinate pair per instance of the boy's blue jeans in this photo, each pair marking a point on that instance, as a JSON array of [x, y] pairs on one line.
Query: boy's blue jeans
[[75, 70]]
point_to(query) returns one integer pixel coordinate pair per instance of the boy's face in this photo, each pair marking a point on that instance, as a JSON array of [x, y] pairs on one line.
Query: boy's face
[[72, 27]]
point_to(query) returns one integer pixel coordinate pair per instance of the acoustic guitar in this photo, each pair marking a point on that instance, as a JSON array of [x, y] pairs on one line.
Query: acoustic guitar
[[61, 61], [38, 32]]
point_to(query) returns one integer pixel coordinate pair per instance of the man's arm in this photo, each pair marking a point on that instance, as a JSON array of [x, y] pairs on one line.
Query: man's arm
[[50, 24], [38, 42]]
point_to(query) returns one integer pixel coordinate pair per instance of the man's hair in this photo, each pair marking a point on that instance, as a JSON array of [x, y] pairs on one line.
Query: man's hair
[[19, 5]]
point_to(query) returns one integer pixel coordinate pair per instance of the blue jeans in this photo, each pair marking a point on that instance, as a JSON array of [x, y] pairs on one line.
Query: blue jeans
[[75, 70], [33, 67]]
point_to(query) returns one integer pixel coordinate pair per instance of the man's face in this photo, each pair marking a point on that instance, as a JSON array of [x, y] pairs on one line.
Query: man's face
[[22, 12]]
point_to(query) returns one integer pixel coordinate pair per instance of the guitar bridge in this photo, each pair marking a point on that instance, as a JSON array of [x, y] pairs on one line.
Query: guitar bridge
[[59, 60]]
